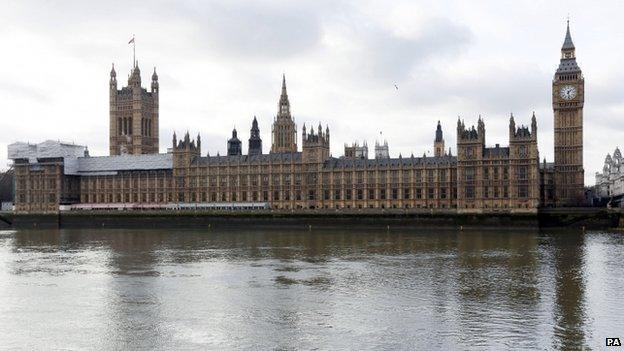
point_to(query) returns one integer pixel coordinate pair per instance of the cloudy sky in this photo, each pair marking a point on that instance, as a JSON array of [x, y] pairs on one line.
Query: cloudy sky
[[220, 63]]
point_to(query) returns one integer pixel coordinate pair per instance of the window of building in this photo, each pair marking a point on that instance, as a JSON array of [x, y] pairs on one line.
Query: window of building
[[523, 191], [430, 175], [470, 192], [470, 174], [406, 193], [522, 172]]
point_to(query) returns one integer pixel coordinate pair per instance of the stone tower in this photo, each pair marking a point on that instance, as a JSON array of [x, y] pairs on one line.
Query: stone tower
[[438, 143], [315, 146], [234, 145], [523, 164], [568, 96], [255, 142], [470, 146], [284, 133], [133, 115]]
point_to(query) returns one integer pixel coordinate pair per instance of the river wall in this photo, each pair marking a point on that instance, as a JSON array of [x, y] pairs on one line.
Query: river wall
[[588, 218]]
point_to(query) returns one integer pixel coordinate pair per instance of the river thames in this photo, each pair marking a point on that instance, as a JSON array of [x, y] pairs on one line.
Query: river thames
[[348, 289]]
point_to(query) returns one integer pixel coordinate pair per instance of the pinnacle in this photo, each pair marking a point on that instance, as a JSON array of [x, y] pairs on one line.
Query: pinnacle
[[567, 43]]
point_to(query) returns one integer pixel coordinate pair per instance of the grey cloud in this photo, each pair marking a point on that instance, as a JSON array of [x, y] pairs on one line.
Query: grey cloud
[[252, 31], [21, 90], [381, 55]]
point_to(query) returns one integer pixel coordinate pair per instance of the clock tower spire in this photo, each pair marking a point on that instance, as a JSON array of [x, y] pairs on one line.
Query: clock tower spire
[[568, 97]]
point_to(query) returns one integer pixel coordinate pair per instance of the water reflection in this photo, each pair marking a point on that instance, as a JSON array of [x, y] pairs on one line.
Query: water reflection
[[569, 307], [286, 289]]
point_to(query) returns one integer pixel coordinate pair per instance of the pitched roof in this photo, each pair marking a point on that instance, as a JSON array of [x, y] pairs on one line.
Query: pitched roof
[[567, 43], [89, 165]]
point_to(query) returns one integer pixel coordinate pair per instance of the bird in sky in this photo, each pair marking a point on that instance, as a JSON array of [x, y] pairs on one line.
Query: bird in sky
[[396, 87]]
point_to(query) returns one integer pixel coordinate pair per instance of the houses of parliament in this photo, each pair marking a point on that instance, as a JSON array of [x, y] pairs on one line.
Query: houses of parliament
[[53, 176]]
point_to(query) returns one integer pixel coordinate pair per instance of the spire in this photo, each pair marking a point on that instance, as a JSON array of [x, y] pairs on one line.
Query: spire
[[438, 134], [284, 105], [567, 43], [113, 79], [512, 125], [154, 75]]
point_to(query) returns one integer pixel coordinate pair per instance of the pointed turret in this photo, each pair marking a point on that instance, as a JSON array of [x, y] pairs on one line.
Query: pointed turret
[[568, 55], [284, 130], [438, 143], [254, 147], [234, 145], [567, 42], [283, 110], [154, 81], [438, 134], [135, 77], [534, 125], [175, 140], [113, 79], [512, 125]]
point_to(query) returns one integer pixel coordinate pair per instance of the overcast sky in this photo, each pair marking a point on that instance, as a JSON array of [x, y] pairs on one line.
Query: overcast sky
[[220, 63]]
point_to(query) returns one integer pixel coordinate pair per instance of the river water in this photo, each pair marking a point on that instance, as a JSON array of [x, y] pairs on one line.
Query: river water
[[349, 289]]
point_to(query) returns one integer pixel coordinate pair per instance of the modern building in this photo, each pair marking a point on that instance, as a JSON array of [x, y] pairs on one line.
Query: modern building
[[481, 178]]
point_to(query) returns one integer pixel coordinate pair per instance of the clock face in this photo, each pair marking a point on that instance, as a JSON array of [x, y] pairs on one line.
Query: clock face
[[568, 92]]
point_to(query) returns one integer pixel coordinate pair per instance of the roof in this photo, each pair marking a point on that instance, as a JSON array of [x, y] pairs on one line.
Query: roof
[[389, 162], [493, 152], [547, 165], [272, 157], [567, 42], [568, 65], [93, 165]]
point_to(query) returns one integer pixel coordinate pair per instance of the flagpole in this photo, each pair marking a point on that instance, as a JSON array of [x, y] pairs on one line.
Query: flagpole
[[133, 51]]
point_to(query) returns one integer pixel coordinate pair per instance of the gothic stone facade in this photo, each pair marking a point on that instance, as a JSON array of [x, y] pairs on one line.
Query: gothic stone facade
[[568, 98], [479, 179], [133, 115]]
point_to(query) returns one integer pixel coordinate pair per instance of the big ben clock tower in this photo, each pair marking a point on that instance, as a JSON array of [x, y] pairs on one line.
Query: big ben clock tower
[[568, 96]]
